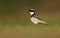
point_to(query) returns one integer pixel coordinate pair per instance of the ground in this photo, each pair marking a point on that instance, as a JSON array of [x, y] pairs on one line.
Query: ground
[[46, 32]]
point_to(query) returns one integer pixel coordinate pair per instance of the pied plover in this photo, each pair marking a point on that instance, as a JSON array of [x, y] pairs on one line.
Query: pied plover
[[35, 19]]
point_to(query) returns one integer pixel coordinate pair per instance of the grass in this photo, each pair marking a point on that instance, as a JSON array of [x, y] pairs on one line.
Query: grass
[[15, 23]]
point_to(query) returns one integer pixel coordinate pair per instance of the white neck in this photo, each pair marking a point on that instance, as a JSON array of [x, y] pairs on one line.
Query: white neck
[[31, 13]]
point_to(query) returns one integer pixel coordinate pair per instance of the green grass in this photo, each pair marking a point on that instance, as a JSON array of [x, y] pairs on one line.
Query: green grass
[[28, 25]]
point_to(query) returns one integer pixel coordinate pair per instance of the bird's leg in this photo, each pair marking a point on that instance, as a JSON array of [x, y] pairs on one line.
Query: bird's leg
[[36, 27]]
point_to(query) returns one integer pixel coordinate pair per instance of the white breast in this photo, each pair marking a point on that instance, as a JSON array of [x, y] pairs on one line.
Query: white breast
[[36, 21]]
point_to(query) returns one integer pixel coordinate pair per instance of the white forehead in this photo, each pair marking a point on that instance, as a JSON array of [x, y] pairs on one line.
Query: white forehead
[[31, 13]]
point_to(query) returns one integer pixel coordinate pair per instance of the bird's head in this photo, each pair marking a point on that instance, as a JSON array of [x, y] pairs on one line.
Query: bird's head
[[32, 11]]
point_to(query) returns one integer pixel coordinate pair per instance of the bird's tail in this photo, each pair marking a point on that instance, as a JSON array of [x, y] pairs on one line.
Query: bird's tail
[[43, 22]]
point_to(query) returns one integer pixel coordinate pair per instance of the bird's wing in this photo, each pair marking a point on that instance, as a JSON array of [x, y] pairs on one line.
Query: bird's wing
[[39, 20], [38, 17]]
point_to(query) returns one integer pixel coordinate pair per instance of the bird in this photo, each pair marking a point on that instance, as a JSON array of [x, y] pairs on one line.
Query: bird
[[35, 19]]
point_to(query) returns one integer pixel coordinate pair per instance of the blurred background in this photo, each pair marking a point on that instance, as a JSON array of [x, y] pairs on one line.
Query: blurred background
[[15, 12], [15, 18]]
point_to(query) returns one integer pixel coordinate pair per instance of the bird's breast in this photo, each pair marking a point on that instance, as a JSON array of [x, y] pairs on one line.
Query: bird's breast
[[35, 20]]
